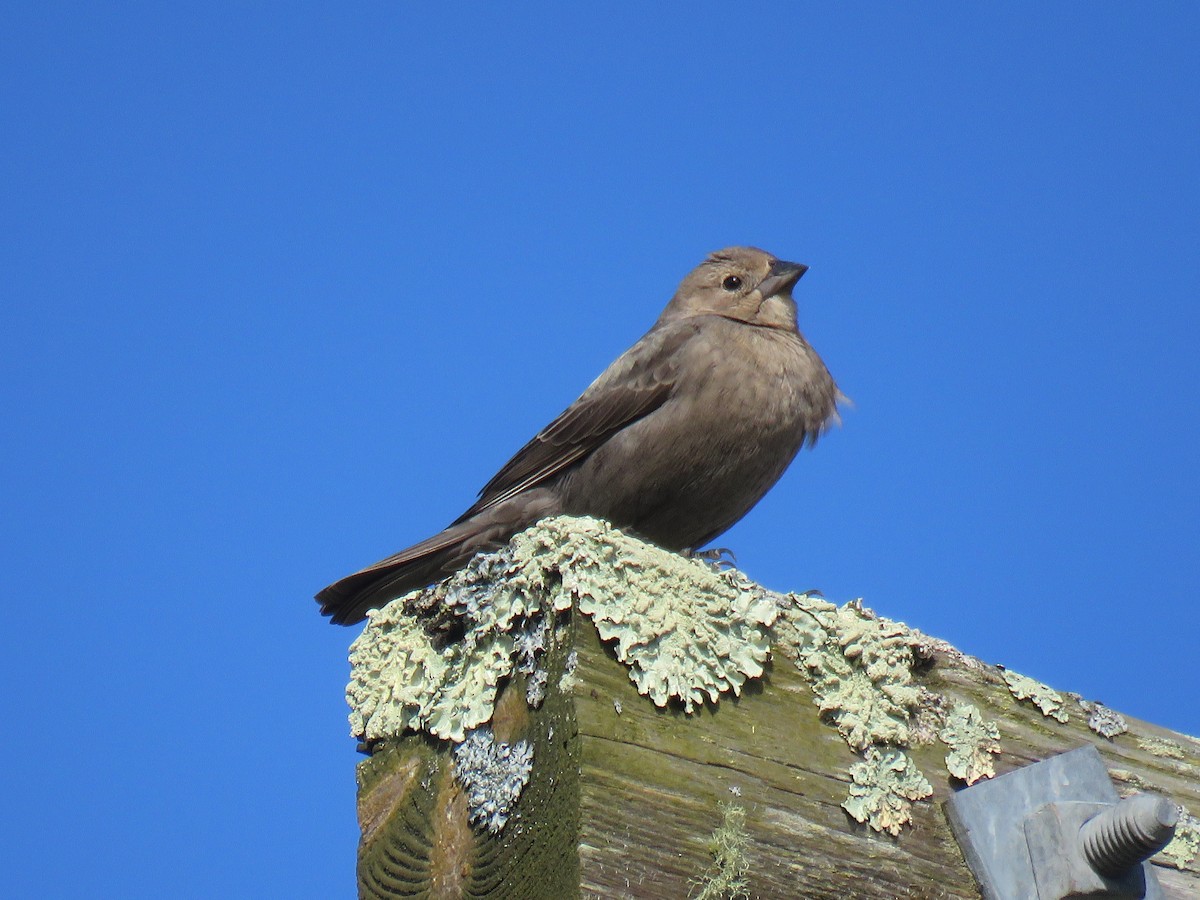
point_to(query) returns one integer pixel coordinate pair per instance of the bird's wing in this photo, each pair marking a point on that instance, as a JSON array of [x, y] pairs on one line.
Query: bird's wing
[[637, 383]]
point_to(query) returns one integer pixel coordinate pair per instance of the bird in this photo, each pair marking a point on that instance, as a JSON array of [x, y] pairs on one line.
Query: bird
[[674, 442]]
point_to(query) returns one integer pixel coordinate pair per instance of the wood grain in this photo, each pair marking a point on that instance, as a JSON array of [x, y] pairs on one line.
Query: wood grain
[[625, 797]]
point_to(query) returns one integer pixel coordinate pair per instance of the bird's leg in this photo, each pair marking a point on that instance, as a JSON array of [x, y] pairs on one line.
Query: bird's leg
[[716, 557]]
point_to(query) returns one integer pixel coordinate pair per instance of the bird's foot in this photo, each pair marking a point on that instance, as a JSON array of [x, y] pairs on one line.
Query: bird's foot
[[716, 557]]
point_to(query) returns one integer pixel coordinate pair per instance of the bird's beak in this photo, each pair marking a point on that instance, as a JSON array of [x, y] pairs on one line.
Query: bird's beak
[[782, 277]]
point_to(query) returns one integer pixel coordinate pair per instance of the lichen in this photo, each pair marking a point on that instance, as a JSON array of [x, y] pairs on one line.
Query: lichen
[[493, 775], [1133, 781], [1046, 699], [930, 717], [973, 742], [885, 785], [535, 688], [1184, 850], [434, 661], [1161, 747], [566, 683], [530, 645], [726, 879], [797, 631], [401, 680], [925, 646], [862, 676], [684, 630], [1102, 720]]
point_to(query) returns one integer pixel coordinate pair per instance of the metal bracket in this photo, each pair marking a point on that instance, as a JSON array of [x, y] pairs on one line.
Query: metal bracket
[[1055, 830]]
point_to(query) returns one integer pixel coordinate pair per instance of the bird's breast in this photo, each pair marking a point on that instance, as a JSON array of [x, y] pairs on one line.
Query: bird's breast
[[744, 401]]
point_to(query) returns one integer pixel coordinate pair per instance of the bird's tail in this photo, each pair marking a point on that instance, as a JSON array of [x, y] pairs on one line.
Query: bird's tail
[[347, 601]]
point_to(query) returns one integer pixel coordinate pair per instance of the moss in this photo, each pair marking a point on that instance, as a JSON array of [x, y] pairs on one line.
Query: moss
[[972, 741], [1046, 699], [1162, 747], [726, 879], [397, 788]]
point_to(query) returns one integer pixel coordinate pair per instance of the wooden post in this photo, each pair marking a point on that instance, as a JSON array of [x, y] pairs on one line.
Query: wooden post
[[756, 795]]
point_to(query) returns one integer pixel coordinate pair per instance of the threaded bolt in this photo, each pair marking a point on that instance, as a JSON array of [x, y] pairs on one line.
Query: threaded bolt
[[1128, 833]]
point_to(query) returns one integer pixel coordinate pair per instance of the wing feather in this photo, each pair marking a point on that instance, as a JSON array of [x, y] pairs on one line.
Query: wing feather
[[637, 383]]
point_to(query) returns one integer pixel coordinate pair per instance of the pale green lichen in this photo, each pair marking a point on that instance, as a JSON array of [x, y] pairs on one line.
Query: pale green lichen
[[685, 630], [797, 631], [862, 676], [401, 680], [1046, 699], [726, 879], [886, 783], [973, 742], [1161, 747], [1184, 850], [688, 632]]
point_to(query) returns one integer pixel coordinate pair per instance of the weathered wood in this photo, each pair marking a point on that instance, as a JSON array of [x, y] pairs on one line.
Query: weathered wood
[[654, 780], [417, 840], [625, 798], [638, 790]]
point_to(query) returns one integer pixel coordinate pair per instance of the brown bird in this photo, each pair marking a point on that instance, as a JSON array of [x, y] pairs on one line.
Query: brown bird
[[674, 442]]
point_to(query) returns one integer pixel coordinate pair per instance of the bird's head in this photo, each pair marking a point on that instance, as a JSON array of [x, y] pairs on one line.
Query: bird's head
[[742, 283]]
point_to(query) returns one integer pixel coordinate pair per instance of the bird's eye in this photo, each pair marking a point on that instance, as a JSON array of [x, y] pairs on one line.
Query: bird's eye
[[731, 283]]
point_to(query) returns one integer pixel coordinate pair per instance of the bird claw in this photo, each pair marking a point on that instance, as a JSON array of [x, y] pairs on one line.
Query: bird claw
[[716, 557]]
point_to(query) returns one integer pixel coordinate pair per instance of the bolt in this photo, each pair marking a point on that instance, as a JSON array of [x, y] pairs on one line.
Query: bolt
[[1128, 833]]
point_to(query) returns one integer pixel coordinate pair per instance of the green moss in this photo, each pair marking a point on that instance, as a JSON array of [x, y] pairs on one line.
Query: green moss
[[1161, 747], [397, 789], [726, 879]]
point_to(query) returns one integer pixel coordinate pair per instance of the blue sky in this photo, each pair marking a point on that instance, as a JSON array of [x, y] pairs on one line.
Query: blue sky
[[285, 284]]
